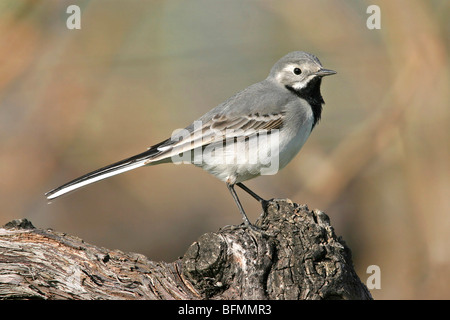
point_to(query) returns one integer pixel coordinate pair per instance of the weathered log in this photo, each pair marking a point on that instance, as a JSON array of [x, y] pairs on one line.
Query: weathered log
[[295, 255]]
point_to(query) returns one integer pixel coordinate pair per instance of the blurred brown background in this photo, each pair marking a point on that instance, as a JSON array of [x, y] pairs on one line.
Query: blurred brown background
[[72, 101]]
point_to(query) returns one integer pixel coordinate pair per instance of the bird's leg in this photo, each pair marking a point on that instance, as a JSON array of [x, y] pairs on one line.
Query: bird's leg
[[262, 201], [238, 203]]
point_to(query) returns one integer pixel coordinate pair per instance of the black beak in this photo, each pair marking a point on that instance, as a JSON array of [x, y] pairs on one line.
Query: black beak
[[325, 72]]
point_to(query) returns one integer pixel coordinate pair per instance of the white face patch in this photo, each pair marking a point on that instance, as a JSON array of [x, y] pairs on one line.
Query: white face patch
[[288, 68], [301, 84], [287, 76]]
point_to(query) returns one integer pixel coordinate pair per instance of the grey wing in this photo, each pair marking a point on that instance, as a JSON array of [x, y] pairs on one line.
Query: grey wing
[[258, 108], [219, 128]]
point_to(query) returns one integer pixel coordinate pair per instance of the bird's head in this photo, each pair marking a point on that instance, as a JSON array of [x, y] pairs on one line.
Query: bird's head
[[297, 69]]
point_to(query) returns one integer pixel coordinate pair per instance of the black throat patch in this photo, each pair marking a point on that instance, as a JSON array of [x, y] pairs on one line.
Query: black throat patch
[[311, 93]]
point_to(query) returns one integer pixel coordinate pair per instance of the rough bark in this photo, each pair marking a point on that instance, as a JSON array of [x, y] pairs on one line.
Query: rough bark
[[296, 255]]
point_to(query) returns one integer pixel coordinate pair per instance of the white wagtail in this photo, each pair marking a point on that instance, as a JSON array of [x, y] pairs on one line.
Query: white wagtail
[[286, 105]]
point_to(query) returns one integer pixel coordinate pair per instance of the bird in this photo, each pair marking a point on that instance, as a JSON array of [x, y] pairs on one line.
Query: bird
[[255, 132]]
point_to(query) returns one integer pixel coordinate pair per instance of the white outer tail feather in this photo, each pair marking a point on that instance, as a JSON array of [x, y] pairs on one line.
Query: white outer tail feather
[[95, 179]]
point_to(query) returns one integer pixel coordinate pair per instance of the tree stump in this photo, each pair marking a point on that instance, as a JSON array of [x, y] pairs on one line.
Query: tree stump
[[295, 255]]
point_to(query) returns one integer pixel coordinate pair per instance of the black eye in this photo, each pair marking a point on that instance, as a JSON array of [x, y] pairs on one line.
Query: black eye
[[297, 71]]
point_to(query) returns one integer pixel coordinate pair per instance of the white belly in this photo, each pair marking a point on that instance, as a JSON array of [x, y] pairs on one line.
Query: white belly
[[259, 156], [295, 143]]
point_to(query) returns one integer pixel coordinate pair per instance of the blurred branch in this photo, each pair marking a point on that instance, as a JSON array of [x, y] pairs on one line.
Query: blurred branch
[[369, 139], [405, 96], [296, 255]]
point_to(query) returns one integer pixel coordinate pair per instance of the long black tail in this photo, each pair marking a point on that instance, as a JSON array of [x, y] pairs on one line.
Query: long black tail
[[131, 163]]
